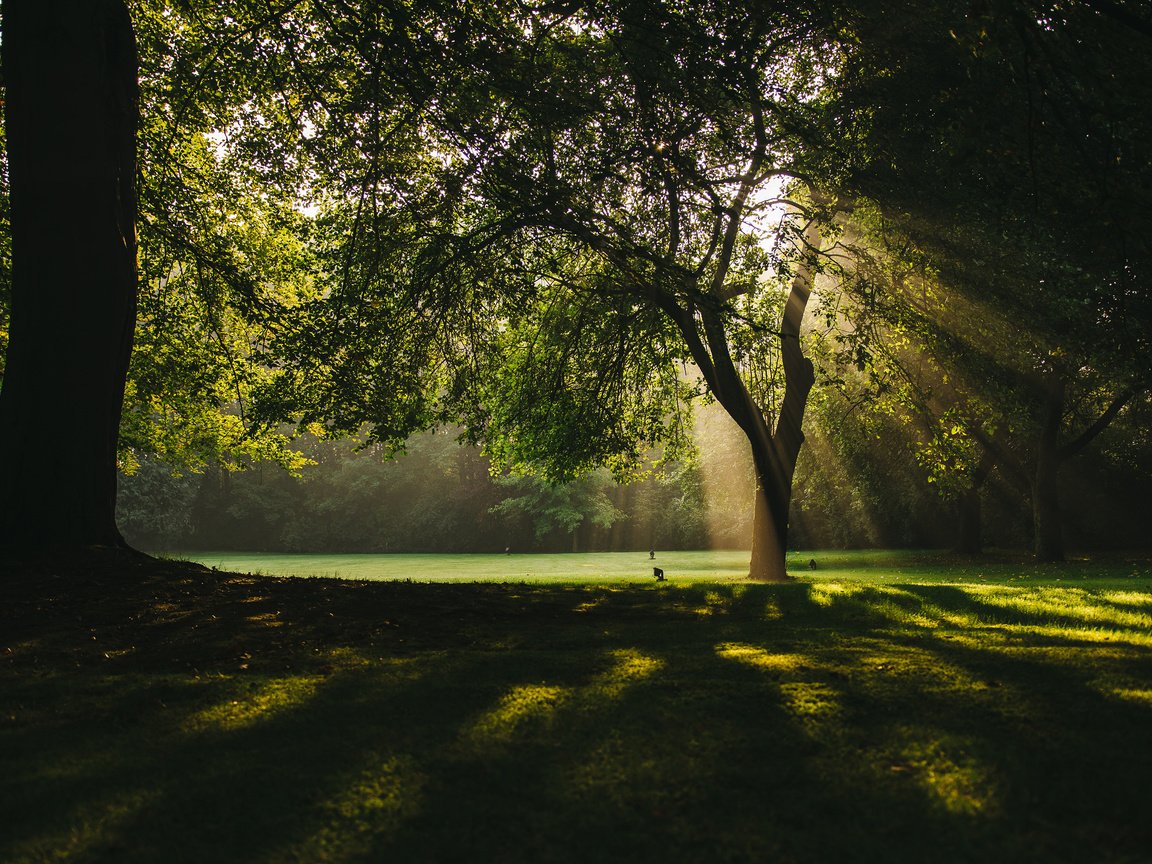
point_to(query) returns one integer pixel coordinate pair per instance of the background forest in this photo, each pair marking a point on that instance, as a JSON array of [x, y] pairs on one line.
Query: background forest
[[854, 490]]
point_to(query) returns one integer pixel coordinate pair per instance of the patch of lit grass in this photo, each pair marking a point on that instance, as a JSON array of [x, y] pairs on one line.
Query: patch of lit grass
[[259, 701], [945, 767], [366, 810]]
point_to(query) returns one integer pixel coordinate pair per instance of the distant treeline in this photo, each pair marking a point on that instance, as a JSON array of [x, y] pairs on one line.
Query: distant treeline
[[853, 490], [439, 496]]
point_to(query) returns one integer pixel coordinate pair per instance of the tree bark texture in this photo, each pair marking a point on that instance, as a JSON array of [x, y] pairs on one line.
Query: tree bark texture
[[770, 517], [71, 113]]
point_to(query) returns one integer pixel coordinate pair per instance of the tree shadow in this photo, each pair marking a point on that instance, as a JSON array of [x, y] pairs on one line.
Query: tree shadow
[[215, 718]]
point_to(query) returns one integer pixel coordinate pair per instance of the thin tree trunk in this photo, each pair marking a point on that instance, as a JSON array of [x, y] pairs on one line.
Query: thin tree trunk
[[71, 113]]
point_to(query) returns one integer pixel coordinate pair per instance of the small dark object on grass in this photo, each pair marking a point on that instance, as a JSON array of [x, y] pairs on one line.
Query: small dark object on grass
[[658, 573], [651, 554], [811, 563]]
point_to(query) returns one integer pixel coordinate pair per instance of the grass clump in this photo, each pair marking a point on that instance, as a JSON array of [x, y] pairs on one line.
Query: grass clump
[[172, 714]]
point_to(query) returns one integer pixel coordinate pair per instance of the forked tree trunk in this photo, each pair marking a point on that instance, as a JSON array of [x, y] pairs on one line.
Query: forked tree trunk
[[774, 452], [1040, 481], [71, 112], [775, 458]]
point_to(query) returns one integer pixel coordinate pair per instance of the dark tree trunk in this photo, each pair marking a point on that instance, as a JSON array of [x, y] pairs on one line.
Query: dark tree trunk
[[770, 520], [969, 523], [774, 452], [1049, 535], [71, 113], [775, 460], [969, 510], [1040, 482]]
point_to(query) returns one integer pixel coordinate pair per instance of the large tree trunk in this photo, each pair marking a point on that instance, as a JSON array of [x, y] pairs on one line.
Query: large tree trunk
[[1049, 535], [770, 518], [71, 111]]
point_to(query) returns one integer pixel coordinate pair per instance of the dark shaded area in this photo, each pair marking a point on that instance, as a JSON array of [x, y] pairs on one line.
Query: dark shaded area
[[557, 723]]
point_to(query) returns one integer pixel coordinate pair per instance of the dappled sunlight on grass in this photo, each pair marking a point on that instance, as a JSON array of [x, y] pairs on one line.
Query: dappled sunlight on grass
[[944, 767], [911, 609], [1050, 612], [529, 709], [714, 603], [342, 657], [813, 705], [772, 609], [262, 701], [907, 606], [629, 666], [706, 601], [1115, 681], [900, 605], [268, 619], [523, 705], [1085, 635], [589, 605], [760, 658], [1140, 696], [827, 593], [1074, 605], [94, 830], [1128, 598], [367, 811], [828, 719], [906, 664]]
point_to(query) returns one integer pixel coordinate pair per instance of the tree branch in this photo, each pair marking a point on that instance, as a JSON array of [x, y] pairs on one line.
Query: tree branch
[[1086, 437]]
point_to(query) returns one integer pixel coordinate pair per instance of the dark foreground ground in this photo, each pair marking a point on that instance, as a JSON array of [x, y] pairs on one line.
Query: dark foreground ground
[[159, 713]]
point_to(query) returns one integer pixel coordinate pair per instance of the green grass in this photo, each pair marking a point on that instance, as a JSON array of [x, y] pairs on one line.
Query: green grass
[[902, 711], [483, 568], [727, 564]]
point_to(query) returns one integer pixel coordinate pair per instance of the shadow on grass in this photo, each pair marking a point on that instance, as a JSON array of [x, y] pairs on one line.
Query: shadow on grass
[[194, 717]]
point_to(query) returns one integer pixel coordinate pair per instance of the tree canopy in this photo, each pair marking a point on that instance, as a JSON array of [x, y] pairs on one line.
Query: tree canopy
[[562, 224]]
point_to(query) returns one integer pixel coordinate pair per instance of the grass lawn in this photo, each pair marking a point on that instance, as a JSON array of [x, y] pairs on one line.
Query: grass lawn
[[726, 564], [884, 707]]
